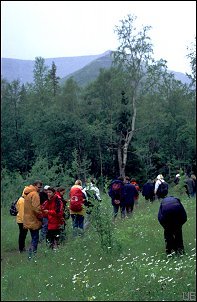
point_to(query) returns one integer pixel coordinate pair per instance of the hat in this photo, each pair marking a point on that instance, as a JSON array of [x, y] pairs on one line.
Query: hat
[[160, 176], [46, 187], [178, 175]]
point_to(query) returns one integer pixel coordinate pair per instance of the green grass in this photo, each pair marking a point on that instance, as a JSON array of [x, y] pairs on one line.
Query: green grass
[[129, 264]]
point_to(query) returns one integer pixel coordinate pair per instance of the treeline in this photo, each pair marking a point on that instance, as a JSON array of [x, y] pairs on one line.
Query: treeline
[[82, 129]]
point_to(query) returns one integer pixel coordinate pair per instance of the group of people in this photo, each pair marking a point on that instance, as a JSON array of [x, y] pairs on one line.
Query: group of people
[[150, 187], [45, 212], [171, 214], [124, 193]]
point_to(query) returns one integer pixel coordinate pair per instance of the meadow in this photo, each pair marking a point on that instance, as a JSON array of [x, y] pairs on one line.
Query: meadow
[[120, 261]]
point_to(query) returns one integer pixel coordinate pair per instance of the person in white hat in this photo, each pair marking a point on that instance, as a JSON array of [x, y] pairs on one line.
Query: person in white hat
[[176, 179], [43, 198], [161, 187]]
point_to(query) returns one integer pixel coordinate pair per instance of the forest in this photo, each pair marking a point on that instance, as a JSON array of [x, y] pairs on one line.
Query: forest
[[135, 119]]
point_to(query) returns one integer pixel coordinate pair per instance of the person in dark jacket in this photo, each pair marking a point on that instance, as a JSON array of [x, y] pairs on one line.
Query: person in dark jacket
[[190, 186], [130, 192], [148, 190], [172, 216], [117, 196]]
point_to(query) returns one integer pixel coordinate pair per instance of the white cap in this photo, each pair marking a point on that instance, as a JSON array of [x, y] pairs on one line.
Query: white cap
[[46, 187], [178, 175]]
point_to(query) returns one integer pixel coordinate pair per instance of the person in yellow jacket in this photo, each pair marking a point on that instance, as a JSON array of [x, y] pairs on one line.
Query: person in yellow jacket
[[32, 219], [19, 220]]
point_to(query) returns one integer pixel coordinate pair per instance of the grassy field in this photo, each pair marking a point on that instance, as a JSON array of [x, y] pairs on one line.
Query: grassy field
[[121, 261]]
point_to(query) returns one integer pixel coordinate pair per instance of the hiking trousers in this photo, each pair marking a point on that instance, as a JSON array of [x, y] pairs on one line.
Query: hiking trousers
[[174, 239]]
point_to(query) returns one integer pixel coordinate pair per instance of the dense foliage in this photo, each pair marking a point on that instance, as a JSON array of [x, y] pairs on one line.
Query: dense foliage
[[82, 129]]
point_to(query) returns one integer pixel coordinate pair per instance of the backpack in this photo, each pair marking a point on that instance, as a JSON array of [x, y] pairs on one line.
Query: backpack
[[13, 210], [75, 204], [162, 190]]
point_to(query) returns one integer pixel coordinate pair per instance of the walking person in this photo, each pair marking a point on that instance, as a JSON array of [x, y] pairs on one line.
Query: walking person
[[117, 196], [32, 214], [130, 192], [190, 186], [148, 190], [161, 187], [19, 220]]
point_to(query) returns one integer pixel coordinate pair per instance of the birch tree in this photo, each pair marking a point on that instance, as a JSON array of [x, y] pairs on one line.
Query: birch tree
[[134, 56]]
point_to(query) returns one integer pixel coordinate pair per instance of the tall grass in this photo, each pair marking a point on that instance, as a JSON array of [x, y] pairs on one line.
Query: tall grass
[[121, 261]]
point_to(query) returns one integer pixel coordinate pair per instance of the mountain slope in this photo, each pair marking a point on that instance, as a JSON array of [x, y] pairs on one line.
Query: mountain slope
[[84, 69], [90, 72], [13, 69]]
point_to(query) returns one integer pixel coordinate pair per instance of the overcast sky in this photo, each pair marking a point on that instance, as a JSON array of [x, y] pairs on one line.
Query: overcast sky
[[52, 29]]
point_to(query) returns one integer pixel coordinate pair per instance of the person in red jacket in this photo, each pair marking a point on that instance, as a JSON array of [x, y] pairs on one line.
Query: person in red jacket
[[53, 210], [60, 191]]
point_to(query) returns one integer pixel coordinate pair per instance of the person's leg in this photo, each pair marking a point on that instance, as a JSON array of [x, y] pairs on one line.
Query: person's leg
[[179, 247], [115, 209], [151, 198], [50, 238], [80, 219], [129, 210], [22, 237], [34, 242], [122, 210], [53, 237], [44, 229], [56, 238], [169, 240], [74, 224]]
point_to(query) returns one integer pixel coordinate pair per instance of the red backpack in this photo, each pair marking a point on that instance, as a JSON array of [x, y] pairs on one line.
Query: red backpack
[[76, 199]]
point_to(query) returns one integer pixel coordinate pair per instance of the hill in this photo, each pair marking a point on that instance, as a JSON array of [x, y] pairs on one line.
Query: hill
[[90, 72], [13, 69], [84, 69]]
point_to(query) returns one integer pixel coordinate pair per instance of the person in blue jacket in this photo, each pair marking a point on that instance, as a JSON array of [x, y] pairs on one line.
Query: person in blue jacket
[[172, 216], [117, 196], [130, 193], [148, 190]]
